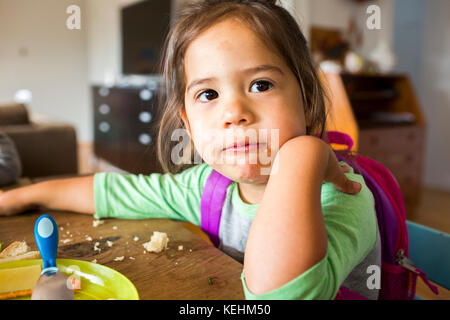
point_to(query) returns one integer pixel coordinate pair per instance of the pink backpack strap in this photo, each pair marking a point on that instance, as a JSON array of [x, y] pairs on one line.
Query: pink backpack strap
[[340, 138], [213, 196], [347, 294]]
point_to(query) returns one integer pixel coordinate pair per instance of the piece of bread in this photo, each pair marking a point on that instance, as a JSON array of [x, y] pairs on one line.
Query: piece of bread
[[157, 243], [18, 250], [14, 249]]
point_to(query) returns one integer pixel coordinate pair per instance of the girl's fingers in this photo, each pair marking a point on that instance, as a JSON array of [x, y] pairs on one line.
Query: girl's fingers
[[350, 186]]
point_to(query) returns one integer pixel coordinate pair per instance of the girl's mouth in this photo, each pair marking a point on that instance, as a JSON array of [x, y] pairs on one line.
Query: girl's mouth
[[244, 148]]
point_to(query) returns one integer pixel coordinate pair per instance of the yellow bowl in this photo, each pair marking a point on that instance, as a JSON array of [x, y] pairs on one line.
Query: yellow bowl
[[97, 281]]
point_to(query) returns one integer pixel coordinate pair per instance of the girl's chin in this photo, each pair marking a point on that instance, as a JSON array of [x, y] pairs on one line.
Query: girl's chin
[[244, 173]]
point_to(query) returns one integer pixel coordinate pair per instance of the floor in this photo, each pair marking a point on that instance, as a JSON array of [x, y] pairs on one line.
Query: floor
[[433, 210]]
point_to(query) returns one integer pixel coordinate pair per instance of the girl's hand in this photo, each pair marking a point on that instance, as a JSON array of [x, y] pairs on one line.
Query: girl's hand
[[335, 173]]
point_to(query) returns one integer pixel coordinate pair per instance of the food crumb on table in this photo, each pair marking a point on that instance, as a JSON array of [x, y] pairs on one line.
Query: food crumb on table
[[96, 223], [119, 258]]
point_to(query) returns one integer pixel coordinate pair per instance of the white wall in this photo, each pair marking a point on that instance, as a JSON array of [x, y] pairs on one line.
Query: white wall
[[435, 89], [39, 53]]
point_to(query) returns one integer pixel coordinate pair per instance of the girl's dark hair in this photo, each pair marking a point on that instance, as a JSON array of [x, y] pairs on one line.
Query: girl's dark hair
[[273, 24]]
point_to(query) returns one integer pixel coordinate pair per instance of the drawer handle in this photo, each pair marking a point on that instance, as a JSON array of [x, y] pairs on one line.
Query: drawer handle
[[104, 92], [104, 126], [104, 109], [145, 116], [145, 94], [145, 139]]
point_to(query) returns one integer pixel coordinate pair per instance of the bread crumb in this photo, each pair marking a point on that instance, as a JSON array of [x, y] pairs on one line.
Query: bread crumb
[[94, 261], [61, 228], [88, 238], [109, 243], [180, 248], [136, 238], [132, 258], [190, 250], [157, 243], [66, 240], [96, 247], [119, 258], [96, 223], [114, 227]]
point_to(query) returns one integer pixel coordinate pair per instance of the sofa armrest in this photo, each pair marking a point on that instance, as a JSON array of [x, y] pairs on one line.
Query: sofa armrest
[[13, 114], [45, 149]]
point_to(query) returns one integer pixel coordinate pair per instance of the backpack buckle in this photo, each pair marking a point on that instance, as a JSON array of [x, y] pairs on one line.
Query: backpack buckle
[[405, 262]]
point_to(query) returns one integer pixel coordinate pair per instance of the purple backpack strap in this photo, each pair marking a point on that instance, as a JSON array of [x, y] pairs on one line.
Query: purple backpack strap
[[211, 205]]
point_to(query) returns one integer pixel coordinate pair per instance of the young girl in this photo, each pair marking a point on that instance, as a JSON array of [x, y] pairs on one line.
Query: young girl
[[230, 67]]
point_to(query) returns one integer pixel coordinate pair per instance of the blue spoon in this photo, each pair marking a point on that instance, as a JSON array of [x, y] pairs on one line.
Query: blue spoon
[[52, 284]]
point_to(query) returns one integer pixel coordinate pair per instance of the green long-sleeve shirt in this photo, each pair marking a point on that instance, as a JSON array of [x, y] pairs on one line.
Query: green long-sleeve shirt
[[350, 220]]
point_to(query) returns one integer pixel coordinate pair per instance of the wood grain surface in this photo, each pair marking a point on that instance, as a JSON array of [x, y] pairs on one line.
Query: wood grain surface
[[199, 271]]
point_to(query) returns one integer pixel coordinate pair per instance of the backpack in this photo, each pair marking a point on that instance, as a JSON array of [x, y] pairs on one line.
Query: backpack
[[398, 273]]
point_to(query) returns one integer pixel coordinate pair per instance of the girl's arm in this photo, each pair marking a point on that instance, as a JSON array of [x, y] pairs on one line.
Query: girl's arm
[[288, 234], [74, 194]]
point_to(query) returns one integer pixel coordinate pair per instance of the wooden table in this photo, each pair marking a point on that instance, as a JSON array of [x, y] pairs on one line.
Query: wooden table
[[171, 274]]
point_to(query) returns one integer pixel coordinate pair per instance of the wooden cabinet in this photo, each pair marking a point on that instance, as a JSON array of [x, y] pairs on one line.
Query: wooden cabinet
[[125, 127], [390, 125]]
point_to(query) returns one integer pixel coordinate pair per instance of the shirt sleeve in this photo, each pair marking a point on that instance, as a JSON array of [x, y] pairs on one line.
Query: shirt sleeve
[[350, 222], [173, 196]]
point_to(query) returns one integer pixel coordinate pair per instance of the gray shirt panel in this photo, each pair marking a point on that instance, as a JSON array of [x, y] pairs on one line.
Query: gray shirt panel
[[235, 227]]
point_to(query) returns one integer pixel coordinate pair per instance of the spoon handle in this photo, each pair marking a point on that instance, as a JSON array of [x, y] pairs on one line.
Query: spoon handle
[[46, 236]]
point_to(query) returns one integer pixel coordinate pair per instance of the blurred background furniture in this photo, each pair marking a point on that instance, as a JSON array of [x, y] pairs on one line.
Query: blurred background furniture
[[382, 115], [46, 148], [125, 127]]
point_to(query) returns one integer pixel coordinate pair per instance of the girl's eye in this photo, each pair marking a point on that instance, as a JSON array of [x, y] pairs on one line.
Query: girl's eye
[[261, 85], [207, 95]]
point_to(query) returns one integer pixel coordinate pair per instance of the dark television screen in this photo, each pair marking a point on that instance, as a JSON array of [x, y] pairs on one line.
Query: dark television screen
[[144, 28]]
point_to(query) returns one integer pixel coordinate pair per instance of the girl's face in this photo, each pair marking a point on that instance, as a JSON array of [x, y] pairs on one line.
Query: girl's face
[[238, 90]]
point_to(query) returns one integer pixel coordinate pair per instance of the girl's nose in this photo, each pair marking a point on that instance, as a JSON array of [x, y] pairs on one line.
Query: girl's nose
[[237, 114]]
